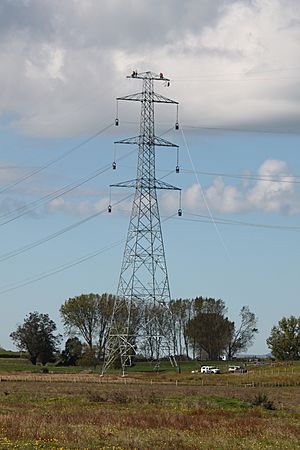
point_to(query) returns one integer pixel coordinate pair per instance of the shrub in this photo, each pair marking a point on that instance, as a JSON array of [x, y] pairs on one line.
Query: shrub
[[263, 400]]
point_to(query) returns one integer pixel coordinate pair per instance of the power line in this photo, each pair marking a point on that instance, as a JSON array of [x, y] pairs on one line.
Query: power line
[[39, 242], [222, 221], [211, 79], [293, 130], [34, 244], [35, 278], [63, 267], [245, 72], [245, 130], [204, 197], [25, 209], [264, 177], [249, 177], [53, 161]]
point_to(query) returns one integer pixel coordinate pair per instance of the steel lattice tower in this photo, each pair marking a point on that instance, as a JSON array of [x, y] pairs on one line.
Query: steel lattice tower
[[143, 289]]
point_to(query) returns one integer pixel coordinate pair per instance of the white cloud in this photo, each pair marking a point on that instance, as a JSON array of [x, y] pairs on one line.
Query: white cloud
[[273, 192], [233, 61], [88, 207]]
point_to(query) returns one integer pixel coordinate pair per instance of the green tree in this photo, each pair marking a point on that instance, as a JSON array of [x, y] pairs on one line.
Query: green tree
[[88, 316], [242, 336], [179, 316], [105, 305], [209, 329], [80, 316], [284, 340], [72, 352], [36, 337]]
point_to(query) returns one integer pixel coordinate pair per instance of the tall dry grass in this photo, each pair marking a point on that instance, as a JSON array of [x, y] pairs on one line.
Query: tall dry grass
[[94, 416]]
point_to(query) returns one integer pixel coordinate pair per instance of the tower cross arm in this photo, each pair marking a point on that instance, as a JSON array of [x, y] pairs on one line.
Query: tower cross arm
[[164, 143], [154, 141], [131, 141], [163, 185], [158, 98], [145, 184], [139, 97]]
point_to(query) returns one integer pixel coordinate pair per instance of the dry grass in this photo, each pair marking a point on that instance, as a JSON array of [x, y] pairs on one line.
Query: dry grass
[[90, 415]]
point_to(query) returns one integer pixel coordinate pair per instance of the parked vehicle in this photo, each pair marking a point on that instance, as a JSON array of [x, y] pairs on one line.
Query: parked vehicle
[[210, 369], [237, 369]]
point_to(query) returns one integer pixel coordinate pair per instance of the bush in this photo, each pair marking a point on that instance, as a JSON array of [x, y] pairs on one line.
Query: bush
[[263, 400], [88, 359]]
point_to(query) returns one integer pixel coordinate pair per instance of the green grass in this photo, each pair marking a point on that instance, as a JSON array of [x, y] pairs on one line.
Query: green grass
[[230, 404], [279, 371]]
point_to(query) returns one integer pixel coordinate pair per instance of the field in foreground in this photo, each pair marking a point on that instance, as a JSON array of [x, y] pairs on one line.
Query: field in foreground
[[90, 414]]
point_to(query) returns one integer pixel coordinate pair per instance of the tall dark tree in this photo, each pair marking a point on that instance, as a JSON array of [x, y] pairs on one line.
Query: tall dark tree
[[36, 337], [72, 352], [242, 336], [210, 329], [284, 340]]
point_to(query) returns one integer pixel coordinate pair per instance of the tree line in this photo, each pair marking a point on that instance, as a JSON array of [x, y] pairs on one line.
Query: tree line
[[195, 328]]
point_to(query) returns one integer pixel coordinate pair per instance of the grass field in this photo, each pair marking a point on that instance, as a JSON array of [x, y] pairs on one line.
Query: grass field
[[145, 410]]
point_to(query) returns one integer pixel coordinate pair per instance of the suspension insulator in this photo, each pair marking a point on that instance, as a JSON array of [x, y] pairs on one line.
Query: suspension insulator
[[114, 165], [177, 169], [176, 126], [117, 122], [109, 208], [180, 212]]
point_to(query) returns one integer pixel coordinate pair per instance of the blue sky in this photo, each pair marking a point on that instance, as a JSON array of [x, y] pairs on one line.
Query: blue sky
[[239, 116]]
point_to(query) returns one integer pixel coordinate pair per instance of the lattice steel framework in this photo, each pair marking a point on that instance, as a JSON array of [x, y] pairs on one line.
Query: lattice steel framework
[[139, 316]]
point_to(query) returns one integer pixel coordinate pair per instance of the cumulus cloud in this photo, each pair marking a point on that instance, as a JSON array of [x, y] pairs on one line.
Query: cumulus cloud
[[88, 207], [274, 191], [233, 61]]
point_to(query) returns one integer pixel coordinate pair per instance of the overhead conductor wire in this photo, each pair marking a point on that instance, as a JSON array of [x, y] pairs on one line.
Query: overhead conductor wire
[[63, 267], [41, 241], [25, 209], [55, 160], [203, 195]]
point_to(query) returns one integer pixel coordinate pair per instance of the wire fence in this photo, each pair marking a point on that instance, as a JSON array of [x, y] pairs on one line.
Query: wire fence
[[235, 381]]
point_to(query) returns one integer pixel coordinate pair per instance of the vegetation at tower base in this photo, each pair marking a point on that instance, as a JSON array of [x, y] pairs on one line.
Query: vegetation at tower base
[[284, 340], [194, 328], [36, 337]]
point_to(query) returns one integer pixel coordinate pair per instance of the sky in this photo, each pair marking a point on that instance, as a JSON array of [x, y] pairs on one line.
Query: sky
[[234, 69]]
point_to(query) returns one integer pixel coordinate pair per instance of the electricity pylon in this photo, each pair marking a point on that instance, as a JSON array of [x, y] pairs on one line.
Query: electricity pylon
[[139, 315]]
